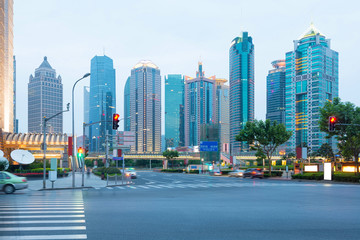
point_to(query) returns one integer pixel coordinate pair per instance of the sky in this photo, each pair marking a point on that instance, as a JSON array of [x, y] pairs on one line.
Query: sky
[[174, 35]]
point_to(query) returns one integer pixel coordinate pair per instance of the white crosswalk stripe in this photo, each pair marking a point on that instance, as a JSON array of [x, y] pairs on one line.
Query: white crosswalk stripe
[[43, 218]]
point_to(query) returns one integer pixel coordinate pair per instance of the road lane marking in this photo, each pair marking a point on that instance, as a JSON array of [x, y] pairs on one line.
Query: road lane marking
[[154, 186], [120, 188], [12, 229], [143, 186], [41, 212], [109, 188], [166, 186], [42, 208], [132, 187], [44, 237], [43, 221], [45, 216]]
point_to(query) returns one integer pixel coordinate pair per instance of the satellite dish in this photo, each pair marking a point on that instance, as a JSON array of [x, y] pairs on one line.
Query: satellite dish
[[2, 159], [2, 154], [22, 156]]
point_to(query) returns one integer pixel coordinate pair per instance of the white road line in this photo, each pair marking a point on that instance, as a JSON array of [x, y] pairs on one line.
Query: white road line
[[45, 216], [109, 188], [11, 229], [120, 188], [154, 186], [143, 186], [43, 221], [42, 208], [42, 212], [44, 237], [180, 186], [132, 187], [191, 185], [166, 186], [97, 188]]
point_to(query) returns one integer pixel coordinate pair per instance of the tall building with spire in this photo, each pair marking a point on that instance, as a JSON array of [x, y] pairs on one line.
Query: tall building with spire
[[45, 99], [145, 107], [242, 81], [275, 92], [102, 101], [127, 120], [6, 66], [200, 105], [312, 79]]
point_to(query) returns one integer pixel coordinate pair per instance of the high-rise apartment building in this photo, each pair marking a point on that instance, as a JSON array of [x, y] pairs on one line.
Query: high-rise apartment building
[[145, 107], [45, 98], [102, 101], [275, 92], [312, 79], [86, 113], [174, 110], [241, 77], [16, 121], [6, 66], [200, 105], [127, 120]]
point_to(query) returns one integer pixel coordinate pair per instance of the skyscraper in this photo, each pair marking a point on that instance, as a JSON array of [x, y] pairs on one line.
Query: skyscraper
[[241, 88], [145, 107], [127, 120], [312, 79], [86, 112], [275, 92], [174, 110], [222, 109], [16, 121], [6, 66], [200, 105], [102, 101], [45, 98]]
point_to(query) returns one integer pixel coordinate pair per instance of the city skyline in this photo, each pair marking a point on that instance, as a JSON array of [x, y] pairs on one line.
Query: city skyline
[[271, 43]]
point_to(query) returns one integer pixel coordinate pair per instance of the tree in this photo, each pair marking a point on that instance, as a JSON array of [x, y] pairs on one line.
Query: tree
[[347, 127], [260, 156], [264, 136], [325, 151], [170, 155]]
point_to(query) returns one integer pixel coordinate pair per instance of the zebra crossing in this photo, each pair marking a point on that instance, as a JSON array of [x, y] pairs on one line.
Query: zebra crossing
[[42, 217], [197, 185]]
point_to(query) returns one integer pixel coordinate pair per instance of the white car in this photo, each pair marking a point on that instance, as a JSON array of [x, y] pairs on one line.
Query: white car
[[237, 173], [130, 172]]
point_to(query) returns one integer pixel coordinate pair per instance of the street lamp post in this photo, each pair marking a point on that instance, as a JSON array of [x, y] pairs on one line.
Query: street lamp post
[[45, 120], [73, 134]]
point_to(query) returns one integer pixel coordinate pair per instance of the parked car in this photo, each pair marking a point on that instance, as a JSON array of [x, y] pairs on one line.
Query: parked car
[[130, 172], [236, 173], [10, 182], [216, 172], [253, 173]]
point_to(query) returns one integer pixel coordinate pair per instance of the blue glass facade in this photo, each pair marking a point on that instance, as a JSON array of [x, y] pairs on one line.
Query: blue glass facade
[[311, 80], [102, 100], [275, 92], [174, 110], [127, 105], [200, 106], [241, 77]]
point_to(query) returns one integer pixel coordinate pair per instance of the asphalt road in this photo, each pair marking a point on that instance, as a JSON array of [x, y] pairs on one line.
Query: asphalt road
[[179, 206]]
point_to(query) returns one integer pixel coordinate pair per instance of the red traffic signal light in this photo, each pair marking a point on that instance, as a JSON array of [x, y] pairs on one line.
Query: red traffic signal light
[[116, 121], [332, 121]]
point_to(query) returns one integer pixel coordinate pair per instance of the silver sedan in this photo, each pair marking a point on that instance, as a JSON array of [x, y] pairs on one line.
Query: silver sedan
[[236, 173]]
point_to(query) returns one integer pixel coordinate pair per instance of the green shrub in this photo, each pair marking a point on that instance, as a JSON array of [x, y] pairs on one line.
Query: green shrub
[[172, 170], [194, 172], [105, 170], [309, 176], [274, 173], [346, 177]]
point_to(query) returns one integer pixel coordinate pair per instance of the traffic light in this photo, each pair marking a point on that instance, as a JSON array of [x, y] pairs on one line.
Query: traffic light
[[116, 121], [332, 121], [80, 152]]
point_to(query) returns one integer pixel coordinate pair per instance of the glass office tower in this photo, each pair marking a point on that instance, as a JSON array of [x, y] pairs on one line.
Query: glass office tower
[[312, 79], [275, 92], [241, 88], [102, 101], [45, 98], [200, 105], [127, 105], [174, 110], [145, 107]]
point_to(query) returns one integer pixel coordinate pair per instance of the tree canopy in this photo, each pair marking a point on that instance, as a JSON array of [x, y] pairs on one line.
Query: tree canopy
[[264, 136], [347, 126], [170, 155]]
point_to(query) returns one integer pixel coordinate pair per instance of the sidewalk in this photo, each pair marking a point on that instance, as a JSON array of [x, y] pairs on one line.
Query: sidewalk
[[90, 180]]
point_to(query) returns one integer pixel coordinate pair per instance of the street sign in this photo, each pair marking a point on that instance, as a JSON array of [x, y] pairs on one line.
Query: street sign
[[208, 146], [118, 158]]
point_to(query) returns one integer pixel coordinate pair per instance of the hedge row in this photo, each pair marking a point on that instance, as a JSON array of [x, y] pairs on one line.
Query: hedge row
[[273, 173], [41, 170], [309, 176], [346, 177], [105, 170], [172, 170]]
